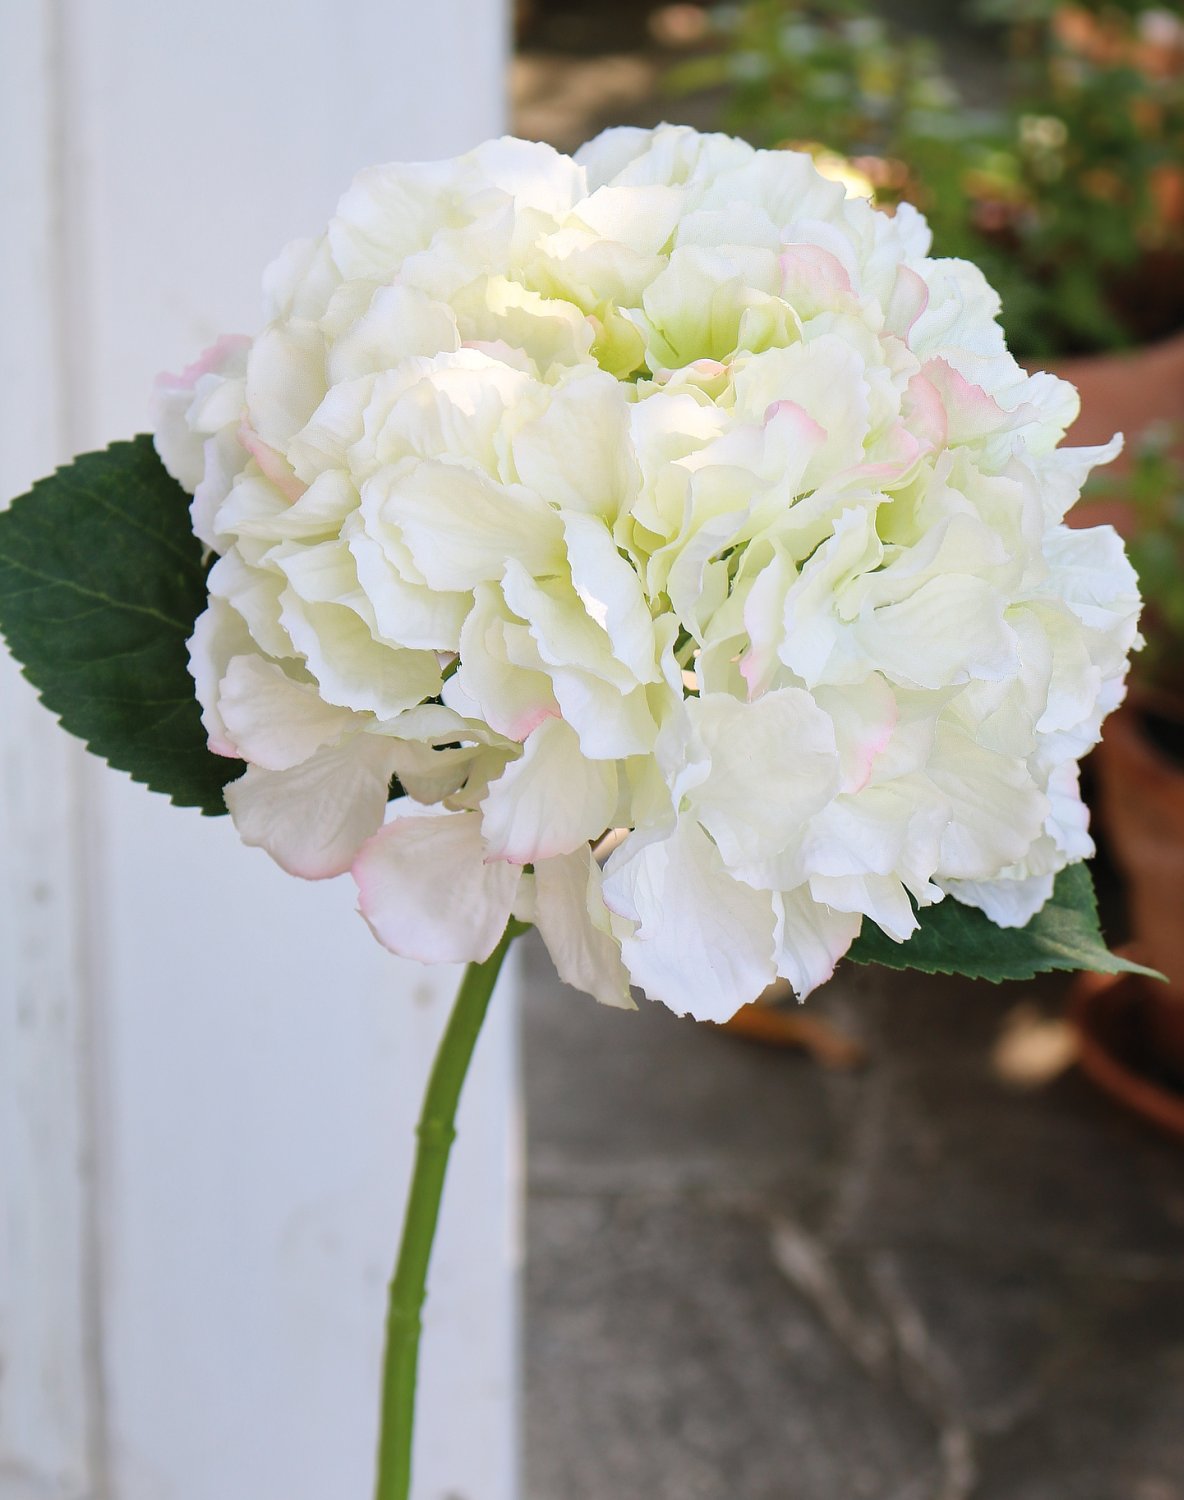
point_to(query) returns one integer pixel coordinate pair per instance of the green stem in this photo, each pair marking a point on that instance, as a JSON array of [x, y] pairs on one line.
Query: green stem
[[436, 1134]]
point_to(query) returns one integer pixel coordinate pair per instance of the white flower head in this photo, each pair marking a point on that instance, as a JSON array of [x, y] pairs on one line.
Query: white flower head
[[664, 490]]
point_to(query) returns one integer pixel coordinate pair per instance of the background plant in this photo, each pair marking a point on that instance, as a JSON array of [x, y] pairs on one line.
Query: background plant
[[1154, 491], [1068, 190]]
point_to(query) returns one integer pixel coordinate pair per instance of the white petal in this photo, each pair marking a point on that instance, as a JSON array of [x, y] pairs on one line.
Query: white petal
[[462, 526], [549, 802], [773, 765], [1008, 903], [703, 942], [387, 213], [894, 829], [997, 810], [959, 313], [612, 594], [642, 217], [1090, 571], [701, 305], [810, 939], [881, 897], [610, 152], [427, 893], [951, 629], [223, 459], [610, 725], [564, 631], [495, 312], [407, 614], [535, 174], [864, 717], [352, 668], [339, 424], [786, 184], [1068, 676], [435, 724], [576, 454], [816, 644], [572, 920], [274, 721], [428, 774], [313, 819], [1068, 818], [300, 281], [764, 620], [254, 593], [973, 416], [318, 514], [249, 506], [455, 407], [219, 634], [513, 696], [398, 323], [179, 440], [1063, 472], [285, 380], [826, 379]]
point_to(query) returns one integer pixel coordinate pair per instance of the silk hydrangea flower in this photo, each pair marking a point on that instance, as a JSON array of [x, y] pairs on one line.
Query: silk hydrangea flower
[[661, 490]]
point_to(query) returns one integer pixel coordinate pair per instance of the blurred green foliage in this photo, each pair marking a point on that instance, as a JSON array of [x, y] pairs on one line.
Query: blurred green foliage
[[1068, 192], [1155, 490]]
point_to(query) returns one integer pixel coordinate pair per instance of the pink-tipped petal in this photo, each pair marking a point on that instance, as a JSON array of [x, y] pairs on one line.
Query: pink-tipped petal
[[925, 412], [427, 893], [212, 361], [971, 413], [813, 279], [273, 465]]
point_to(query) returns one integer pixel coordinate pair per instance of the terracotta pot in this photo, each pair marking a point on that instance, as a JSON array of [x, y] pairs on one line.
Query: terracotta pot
[[1119, 1052], [1141, 796], [1126, 392]]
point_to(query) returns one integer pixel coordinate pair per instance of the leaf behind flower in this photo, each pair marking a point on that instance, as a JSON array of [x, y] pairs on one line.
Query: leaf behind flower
[[958, 939], [101, 580]]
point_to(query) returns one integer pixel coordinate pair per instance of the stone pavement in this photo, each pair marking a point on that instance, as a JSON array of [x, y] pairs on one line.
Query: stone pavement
[[751, 1279]]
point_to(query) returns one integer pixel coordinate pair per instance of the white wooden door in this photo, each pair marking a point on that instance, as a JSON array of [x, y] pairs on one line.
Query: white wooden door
[[209, 1072]]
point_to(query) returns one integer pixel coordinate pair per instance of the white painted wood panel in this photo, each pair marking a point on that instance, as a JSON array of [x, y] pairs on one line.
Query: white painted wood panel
[[207, 1322], [46, 1415]]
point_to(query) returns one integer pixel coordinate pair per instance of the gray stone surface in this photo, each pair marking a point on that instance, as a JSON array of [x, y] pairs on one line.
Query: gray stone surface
[[751, 1279]]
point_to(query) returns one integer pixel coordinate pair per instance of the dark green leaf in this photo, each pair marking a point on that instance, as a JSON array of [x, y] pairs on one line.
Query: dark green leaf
[[101, 580], [957, 939]]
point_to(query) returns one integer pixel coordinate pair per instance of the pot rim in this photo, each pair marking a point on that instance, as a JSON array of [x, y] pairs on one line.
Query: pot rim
[[1090, 997]]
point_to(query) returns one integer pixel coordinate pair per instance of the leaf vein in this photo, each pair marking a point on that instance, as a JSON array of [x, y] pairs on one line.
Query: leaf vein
[[121, 606]]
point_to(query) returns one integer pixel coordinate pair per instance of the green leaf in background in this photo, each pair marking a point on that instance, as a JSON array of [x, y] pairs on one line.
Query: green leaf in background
[[957, 939], [101, 579]]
